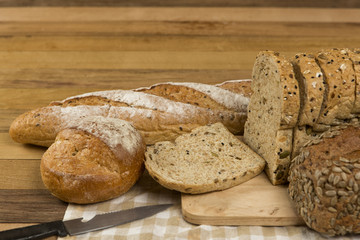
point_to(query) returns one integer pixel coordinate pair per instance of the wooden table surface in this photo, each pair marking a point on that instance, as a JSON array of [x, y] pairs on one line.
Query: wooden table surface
[[50, 50]]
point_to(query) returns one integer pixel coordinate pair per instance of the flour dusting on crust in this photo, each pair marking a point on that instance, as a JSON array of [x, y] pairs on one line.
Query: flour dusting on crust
[[225, 97], [142, 100], [113, 132]]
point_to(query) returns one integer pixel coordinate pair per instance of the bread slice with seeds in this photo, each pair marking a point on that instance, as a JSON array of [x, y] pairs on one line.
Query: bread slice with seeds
[[339, 77], [311, 84], [354, 55], [272, 113], [209, 158]]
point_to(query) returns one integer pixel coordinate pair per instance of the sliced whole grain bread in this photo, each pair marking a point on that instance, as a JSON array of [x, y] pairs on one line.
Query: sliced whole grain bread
[[311, 84], [339, 77], [210, 158], [354, 55], [272, 113], [241, 86]]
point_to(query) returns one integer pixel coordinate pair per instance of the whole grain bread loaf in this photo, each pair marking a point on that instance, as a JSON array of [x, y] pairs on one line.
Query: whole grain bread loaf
[[93, 160], [209, 158], [324, 182], [161, 112], [327, 85]]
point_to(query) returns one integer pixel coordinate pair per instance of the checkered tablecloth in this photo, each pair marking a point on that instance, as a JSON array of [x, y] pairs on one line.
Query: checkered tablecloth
[[169, 224]]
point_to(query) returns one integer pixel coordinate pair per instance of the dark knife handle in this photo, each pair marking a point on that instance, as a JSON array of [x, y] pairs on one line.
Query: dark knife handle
[[39, 231]]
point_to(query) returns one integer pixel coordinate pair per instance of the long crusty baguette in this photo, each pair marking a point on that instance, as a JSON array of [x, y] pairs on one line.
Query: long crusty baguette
[[182, 108]]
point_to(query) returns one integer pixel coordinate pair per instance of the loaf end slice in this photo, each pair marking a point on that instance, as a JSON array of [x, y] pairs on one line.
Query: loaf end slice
[[210, 158]]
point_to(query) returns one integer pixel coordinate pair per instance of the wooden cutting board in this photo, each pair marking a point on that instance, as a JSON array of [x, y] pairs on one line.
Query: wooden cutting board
[[254, 203]]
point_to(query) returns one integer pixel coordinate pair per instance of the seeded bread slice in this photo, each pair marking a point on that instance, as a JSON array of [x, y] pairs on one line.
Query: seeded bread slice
[[339, 76], [272, 113], [311, 84], [355, 58], [210, 158]]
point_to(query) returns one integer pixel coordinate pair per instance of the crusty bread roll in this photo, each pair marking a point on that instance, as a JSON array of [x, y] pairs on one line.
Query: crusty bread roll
[[93, 160], [210, 158], [160, 112], [324, 182]]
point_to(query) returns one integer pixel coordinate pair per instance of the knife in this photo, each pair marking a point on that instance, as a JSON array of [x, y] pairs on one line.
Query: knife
[[79, 226]]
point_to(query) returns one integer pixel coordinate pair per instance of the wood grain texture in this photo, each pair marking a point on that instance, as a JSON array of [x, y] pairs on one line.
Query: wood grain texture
[[253, 203], [227, 14], [183, 3], [35, 206]]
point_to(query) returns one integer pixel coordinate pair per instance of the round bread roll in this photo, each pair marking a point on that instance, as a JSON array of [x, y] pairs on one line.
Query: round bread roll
[[95, 160], [324, 182]]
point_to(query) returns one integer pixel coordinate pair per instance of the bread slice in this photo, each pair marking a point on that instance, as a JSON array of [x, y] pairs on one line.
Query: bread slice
[[354, 55], [273, 113], [311, 83], [209, 158], [339, 76]]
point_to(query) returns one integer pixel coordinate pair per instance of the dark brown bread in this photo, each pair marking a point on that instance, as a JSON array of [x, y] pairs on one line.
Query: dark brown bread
[[324, 182]]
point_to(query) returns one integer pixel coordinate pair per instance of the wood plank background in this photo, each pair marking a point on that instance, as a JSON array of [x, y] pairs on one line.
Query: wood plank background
[[53, 49]]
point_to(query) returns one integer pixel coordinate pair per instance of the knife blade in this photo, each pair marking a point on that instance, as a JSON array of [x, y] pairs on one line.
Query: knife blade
[[79, 226]]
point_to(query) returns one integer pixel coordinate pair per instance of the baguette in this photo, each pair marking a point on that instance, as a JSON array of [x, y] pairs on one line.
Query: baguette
[[158, 118]]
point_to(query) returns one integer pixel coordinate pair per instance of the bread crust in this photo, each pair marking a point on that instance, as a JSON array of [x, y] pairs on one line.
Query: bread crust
[[80, 167]]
